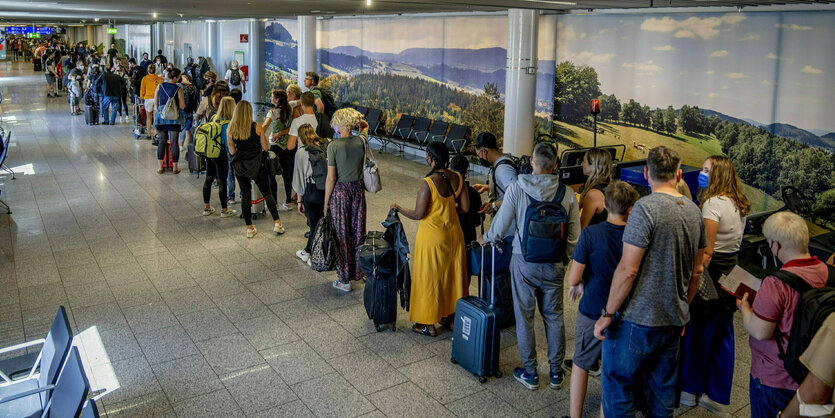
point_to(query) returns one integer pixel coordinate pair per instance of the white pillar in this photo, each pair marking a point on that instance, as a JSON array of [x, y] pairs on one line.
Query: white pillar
[[520, 81], [306, 46], [91, 36], [159, 39], [213, 46], [257, 67]]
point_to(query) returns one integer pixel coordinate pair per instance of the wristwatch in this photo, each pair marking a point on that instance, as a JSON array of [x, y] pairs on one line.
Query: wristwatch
[[605, 314], [495, 208]]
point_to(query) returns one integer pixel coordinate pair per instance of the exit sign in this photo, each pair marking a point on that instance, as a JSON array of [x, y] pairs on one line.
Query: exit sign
[[244, 38], [111, 30]]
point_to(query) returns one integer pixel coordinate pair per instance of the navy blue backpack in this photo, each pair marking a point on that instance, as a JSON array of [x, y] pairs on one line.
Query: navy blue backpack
[[543, 239]]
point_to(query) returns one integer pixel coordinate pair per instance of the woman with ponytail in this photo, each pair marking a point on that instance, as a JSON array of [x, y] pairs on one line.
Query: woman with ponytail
[[439, 276], [345, 192]]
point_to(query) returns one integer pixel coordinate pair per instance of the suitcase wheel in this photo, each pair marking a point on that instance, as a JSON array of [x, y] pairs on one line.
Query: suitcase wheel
[[453, 360], [482, 379], [377, 327]]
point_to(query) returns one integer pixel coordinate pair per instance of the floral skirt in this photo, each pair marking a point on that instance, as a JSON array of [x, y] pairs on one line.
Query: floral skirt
[[347, 209]]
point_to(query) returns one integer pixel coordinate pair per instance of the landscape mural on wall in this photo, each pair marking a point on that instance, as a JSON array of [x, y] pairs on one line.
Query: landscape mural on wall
[[758, 87]]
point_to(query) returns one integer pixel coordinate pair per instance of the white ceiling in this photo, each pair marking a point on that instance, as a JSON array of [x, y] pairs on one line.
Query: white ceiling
[[75, 11]]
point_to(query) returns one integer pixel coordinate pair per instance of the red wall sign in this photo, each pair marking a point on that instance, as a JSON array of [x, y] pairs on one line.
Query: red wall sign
[[244, 38]]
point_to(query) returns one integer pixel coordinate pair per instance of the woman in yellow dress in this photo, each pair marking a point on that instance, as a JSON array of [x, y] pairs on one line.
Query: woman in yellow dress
[[439, 276]]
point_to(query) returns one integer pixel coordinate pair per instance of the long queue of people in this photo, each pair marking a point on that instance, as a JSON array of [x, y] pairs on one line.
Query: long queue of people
[[635, 265]]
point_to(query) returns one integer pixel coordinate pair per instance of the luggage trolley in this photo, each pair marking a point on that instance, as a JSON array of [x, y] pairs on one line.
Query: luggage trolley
[[139, 116]]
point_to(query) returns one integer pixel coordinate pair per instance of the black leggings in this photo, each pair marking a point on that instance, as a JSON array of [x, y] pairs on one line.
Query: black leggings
[[216, 168], [164, 136], [314, 208], [245, 183], [287, 159], [124, 104]]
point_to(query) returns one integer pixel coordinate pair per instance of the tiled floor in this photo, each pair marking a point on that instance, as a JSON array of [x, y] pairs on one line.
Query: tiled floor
[[180, 314]]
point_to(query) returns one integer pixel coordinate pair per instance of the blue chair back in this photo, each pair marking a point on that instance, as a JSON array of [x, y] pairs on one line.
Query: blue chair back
[[54, 351], [4, 149], [71, 389], [91, 410]]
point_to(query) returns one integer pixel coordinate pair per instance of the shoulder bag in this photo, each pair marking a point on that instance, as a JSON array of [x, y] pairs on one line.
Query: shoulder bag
[[370, 174]]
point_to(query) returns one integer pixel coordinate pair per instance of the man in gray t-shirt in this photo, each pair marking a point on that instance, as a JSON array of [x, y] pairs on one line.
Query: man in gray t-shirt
[[656, 279]]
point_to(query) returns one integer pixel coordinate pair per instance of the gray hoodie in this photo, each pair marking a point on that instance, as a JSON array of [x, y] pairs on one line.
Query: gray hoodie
[[512, 212]]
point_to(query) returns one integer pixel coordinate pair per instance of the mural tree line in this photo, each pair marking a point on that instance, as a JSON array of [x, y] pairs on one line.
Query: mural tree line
[[763, 160]]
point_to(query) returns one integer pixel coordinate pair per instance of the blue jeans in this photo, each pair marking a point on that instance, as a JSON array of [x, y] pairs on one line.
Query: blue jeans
[[709, 355], [643, 360], [113, 103], [230, 181], [767, 401]]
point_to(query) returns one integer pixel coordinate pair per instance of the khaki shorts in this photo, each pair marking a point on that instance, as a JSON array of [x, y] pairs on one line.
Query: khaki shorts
[[149, 105]]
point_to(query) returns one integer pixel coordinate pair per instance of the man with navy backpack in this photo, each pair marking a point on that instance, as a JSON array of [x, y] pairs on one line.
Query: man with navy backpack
[[543, 217]]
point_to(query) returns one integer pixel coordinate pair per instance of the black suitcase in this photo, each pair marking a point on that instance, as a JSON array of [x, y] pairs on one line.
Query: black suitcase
[[91, 114], [37, 64], [377, 261], [476, 334]]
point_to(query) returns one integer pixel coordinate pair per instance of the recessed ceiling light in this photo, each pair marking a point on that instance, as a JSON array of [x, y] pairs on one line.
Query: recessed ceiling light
[[96, 19], [368, 2], [155, 15], [565, 3]]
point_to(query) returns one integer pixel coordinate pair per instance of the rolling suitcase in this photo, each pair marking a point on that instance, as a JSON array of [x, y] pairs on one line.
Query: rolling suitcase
[[167, 161], [377, 262], [476, 333], [91, 114], [37, 63], [196, 163]]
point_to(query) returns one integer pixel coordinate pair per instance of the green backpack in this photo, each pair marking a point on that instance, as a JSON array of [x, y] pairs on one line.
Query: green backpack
[[207, 141]]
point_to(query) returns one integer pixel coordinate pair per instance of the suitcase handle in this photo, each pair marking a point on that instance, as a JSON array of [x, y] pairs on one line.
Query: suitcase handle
[[493, 272]]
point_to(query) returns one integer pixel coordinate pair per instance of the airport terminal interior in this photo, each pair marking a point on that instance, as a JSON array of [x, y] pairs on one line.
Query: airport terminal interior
[[167, 310]]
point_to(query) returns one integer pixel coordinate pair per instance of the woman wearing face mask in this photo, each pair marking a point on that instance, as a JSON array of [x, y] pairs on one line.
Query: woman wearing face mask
[[709, 339], [597, 166], [439, 278]]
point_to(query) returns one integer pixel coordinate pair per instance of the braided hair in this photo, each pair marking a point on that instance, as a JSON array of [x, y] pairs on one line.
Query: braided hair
[[439, 154]]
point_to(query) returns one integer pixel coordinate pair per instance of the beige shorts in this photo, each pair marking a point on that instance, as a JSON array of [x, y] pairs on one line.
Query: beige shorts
[[149, 105]]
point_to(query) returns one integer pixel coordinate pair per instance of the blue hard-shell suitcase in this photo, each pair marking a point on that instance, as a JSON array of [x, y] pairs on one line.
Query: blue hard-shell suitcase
[[476, 333]]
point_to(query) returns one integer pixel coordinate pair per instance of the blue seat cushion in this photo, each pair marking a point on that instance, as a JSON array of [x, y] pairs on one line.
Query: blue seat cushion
[[29, 406]]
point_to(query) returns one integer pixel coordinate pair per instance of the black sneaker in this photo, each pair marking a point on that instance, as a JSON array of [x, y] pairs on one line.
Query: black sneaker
[[155, 142]]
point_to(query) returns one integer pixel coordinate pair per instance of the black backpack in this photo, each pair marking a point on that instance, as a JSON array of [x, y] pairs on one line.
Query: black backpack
[[191, 97], [814, 306], [319, 162], [522, 165], [327, 100], [323, 127], [235, 77]]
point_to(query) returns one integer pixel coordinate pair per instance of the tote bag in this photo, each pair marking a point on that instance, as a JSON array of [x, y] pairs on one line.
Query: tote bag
[[370, 174]]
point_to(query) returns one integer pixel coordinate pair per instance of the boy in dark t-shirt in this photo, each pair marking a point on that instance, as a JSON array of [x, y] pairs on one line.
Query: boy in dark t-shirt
[[594, 261]]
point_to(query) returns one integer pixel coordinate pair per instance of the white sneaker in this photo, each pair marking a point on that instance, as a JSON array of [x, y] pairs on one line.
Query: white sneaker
[[302, 255], [279, 228], [231, 201], [688, 399], [250, 232], [285, 207], [345, 287], [717, 408], [228, 213], [209, 211]]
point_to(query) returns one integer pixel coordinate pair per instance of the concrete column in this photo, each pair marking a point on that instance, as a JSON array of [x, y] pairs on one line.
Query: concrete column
[[306, 46], [91, 35], [158, 37], [257, 66], [213, 45], [520, 81]]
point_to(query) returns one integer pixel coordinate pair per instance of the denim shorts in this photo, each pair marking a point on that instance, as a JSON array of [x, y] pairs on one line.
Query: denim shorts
[[586, 346]]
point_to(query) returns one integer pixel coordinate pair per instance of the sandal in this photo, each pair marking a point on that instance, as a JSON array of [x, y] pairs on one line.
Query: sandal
[[160, 171], [424, 329], [176, 171]]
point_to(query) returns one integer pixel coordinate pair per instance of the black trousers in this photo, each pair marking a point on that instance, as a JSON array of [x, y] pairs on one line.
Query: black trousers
[[245, 183], [216, 168], [287, 159], [314, 209]]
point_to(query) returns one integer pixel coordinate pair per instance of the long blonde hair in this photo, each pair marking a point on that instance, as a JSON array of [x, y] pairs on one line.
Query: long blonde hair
[[723, 181], [241, 124], [600, 161], [226, 108], [308, 135]]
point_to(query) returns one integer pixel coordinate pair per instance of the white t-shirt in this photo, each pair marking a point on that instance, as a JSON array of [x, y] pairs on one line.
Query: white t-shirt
[[722, 209], [228, 78], [301, 120]]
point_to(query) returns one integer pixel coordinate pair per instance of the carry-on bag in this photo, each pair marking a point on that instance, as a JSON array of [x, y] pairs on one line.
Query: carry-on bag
[[196, 163], [91, 114], [257, 201], [167, 160], [476, 333], [377, 261], [323, 251]]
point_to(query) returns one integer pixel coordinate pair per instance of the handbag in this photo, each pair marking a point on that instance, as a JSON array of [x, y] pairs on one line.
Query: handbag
[[370, 174], [273, 164], [707, 290], [323, 252]]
